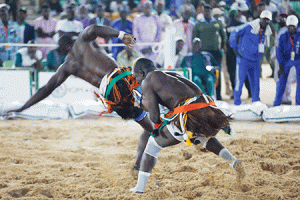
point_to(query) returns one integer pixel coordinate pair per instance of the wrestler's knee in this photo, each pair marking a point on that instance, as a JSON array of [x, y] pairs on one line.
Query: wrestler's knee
[[152, 148]]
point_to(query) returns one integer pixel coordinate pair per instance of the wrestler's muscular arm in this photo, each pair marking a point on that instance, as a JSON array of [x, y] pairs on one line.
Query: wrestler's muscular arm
[[56, 80], [149, 101], [94, 31]]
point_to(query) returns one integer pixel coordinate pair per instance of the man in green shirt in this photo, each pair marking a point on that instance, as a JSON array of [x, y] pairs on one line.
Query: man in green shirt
[[57, 56], [198, 62], [210, 30]]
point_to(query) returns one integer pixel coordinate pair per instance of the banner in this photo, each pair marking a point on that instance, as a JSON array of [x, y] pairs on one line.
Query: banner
[[73, 90], [14, 86]]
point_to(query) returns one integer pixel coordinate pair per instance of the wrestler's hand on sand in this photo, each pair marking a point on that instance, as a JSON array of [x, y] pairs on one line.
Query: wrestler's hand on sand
[[129, 40]]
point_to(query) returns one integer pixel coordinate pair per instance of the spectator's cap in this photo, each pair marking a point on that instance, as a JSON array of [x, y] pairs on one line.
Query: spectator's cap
[[207, 6], [196, 40], [160, 2], [233, 12], [45, 5], [177, 38], [292, 20], [266, 14], [23, 9], [240, 1], [4, 5], [217, 11], [240, 6], [222, 3]]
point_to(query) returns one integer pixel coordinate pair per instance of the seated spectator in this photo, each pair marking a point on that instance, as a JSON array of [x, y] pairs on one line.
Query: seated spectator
[[9, 33], [29, 57], [198, 62], [122, 24], [83, 16], [160, 61], [57, 56], [27, 31], [45, 28], [126, 57], [69, 26]]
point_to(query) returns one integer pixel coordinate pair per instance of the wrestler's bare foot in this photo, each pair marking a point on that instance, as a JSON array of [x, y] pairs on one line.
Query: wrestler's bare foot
[[136, 191], [135, 173], [239, 168]]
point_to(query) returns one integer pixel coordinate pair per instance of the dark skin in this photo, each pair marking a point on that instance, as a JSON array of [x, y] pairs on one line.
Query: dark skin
[[40, 32], [21, 17], [263, 25], [292, 30], [90, 62], [4, 16], [166, 89]]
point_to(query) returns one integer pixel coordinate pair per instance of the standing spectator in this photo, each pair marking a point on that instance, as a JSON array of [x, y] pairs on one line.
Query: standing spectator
[[184, 28], [248, 42], [100, 20], [261, 6], [57, 56], [27, 31], [69, 26], [147, 28], [165, 19], [198, 62], [230, 55], [55, 7], [29, 57], [9, 33], [160, 61], [83, 16], [122, 24], [286, 98], [187, 4], [288, 55], [210, 30], [127, 57], [13, 8], [45, 28], [242, 7]]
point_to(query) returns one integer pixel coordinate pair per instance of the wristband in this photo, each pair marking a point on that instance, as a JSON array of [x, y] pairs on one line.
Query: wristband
[[121, 35]]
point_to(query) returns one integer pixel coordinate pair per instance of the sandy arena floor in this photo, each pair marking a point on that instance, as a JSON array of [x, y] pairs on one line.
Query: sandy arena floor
[[91, 159]]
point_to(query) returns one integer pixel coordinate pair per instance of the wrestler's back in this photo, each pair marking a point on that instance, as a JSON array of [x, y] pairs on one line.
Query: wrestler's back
[[171, 90], [90, 62]]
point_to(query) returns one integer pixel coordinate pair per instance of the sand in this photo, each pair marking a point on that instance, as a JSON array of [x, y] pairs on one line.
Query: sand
[[91, 159]]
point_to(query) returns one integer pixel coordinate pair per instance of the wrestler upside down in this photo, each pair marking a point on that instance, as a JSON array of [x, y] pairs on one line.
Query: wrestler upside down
[[193, 117]]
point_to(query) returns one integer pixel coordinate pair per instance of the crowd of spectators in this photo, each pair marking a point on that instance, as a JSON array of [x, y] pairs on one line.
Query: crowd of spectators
[[204, 30]]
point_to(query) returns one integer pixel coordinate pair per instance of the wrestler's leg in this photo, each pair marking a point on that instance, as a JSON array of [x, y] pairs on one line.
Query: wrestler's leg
[[150, 155], [148, 125], [215, 146]]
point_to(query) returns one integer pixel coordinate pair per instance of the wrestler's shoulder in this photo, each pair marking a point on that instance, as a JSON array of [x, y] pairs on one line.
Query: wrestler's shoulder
[[156, 75]]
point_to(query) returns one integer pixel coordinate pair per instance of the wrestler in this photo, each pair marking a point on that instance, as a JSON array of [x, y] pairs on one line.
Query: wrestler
[[193, 117], [90, 62]]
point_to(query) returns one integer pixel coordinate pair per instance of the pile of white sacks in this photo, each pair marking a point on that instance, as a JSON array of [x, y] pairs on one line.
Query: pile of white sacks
[[49, 110]]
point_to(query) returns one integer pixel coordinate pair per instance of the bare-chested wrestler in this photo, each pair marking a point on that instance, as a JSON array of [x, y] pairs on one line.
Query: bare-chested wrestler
[[91, 63], [193, 117]]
